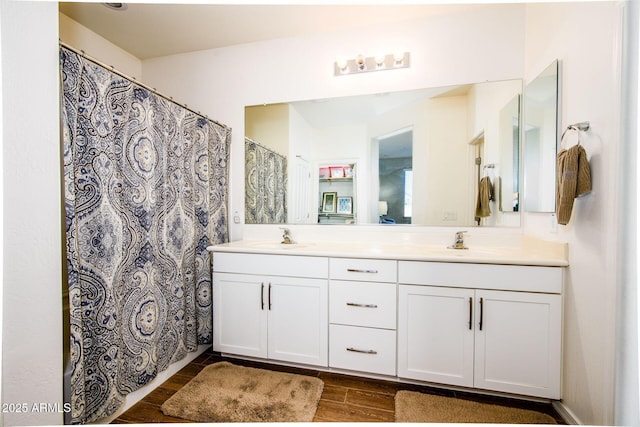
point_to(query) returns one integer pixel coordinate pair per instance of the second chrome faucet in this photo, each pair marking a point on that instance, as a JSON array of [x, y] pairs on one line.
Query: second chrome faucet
[[458, 243], [286, 236]]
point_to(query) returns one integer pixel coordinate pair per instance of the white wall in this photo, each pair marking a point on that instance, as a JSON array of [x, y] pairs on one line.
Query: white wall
[[586, 38], [81, 38], [32, 276], [302, 68]]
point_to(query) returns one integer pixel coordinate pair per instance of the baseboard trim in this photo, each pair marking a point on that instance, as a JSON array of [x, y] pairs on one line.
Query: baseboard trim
[[567, 415]]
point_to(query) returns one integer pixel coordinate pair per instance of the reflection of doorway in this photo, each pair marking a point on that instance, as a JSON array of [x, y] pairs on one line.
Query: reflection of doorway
[[395, 175], [301, 193], [478, 166]]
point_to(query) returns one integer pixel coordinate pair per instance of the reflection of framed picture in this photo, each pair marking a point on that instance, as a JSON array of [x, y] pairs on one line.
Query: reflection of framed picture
[[345, 205], [329, 202], [348, 172], [337, 172]]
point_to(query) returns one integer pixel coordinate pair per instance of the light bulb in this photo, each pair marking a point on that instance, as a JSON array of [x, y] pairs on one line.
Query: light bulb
[[342, 65], [398, 57], [360, 62]]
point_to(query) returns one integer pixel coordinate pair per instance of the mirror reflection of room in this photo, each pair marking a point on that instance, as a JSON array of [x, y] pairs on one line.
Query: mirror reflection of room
[[541, 136], [396, 182]]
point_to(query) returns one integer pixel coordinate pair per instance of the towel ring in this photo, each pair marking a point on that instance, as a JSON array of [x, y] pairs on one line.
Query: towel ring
[[577, 127]]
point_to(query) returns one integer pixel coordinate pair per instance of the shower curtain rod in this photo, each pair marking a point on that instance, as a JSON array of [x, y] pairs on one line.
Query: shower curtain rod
[[133, 79], [263, 146]]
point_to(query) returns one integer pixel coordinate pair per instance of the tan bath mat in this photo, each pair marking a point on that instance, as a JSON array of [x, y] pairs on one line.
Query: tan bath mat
[[414, 407], [223, 392]]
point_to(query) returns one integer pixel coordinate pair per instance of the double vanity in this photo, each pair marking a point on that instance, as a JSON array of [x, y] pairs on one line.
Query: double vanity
[[486, 318]]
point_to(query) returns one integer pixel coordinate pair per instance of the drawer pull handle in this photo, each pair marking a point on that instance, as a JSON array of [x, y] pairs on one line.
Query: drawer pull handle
[[355, 350], [354, 304], [358, 270]]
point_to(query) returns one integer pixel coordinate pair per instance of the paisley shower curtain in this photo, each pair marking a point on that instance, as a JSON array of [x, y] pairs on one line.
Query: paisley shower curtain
[[265, 185], [145, 192]]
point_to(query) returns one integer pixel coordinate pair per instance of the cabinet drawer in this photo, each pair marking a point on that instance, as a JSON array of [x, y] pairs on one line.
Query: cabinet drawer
[[482, 276], [363, 304], [271, 265], [362, 349], [368, 270]]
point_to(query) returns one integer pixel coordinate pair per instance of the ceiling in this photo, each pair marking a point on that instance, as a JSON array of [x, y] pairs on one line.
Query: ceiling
[[347, 110], [148, 30]]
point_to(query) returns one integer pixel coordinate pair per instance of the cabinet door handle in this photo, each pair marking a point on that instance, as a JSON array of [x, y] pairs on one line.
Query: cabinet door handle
[[358, 270], [269, 296], [470, 313], [355, 304], [481, 311], [356, 350], [262, 296]]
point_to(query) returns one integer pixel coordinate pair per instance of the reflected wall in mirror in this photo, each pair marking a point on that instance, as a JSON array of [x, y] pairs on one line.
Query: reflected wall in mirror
[[509, 184], [430, 180], [541, 141]]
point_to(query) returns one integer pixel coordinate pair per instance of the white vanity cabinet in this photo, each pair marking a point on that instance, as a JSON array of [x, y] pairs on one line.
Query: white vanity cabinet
[[470, 324], [271, 306], [362, 315], [493, 327]]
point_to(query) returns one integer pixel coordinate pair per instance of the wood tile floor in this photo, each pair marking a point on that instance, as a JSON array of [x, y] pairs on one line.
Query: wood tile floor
[[344, 398]]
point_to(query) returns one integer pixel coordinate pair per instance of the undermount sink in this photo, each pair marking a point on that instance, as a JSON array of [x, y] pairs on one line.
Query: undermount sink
[[473, 252], [276, 245], [447, 252]]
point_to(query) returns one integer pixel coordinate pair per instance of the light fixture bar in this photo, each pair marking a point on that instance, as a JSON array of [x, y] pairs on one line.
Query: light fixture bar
[[362, 64]]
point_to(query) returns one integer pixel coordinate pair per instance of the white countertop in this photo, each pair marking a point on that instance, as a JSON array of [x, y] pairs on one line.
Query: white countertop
[[530, 252]]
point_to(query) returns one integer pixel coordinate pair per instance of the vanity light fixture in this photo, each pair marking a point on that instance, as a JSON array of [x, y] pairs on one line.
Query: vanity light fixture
[[379, 62]]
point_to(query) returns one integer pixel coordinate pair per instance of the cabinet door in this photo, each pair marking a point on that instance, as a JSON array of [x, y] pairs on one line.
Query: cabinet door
[[298, 320], [518, 343], [435, 334], [239, 314]]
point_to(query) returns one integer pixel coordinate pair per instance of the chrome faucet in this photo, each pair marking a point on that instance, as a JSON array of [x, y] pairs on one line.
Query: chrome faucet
[[458, 243], [286, 236]]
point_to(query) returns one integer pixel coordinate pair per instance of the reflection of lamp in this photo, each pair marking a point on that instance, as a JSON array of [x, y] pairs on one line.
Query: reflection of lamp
[[383, 208]]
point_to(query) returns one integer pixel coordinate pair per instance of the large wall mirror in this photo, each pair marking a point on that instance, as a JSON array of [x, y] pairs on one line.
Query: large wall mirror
[[409, 157], [541, 136]]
